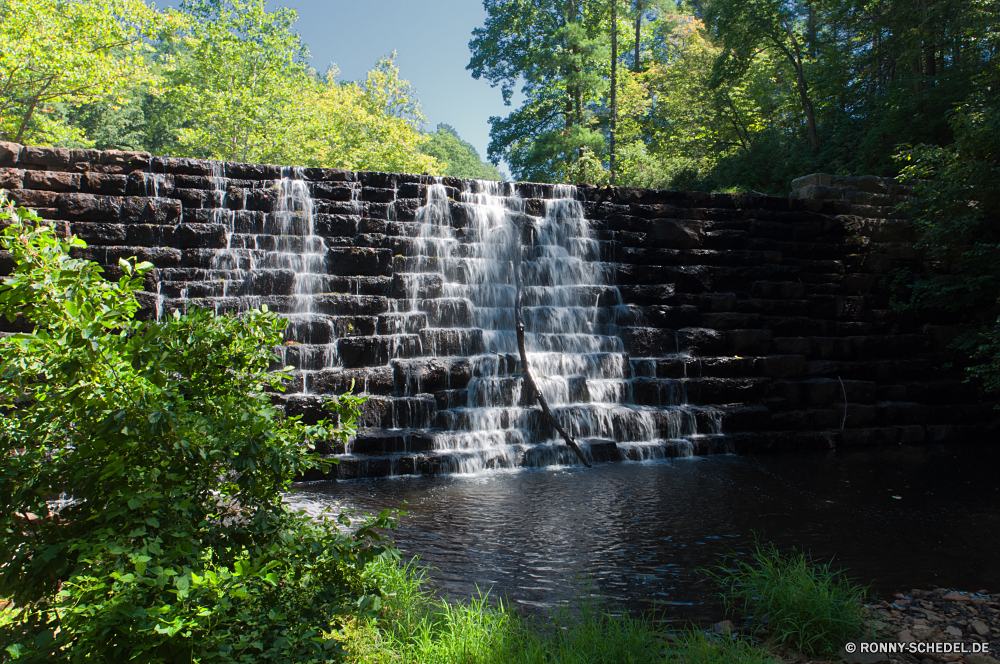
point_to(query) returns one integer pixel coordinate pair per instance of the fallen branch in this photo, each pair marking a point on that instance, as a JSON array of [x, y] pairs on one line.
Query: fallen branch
[[532, 385]]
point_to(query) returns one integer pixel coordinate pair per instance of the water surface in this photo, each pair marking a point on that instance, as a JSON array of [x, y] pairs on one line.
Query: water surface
[[896, 518]]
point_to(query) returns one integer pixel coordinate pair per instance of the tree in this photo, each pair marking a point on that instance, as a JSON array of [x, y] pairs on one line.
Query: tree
[[238, 79], [459, 157], [957, 210], [54, 53], [743, 27], [371, 126], [555, 48], [170, 540]]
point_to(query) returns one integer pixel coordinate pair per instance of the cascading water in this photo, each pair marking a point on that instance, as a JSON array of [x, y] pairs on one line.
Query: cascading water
[[571, 315], [443, 334]]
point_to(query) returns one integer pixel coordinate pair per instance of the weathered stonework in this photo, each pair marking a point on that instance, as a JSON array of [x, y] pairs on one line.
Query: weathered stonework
[[782, 302]]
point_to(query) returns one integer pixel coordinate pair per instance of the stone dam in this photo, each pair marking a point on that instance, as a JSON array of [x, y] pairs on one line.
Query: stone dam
[[659, 323]]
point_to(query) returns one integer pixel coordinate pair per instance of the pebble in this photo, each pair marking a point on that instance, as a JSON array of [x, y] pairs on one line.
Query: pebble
[[940, 615], [724, 627]]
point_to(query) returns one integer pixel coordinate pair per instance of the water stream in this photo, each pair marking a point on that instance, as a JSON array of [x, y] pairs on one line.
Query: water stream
[[897, 518]]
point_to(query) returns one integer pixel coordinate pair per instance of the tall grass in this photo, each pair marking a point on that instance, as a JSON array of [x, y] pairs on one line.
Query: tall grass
[[417, 628], [802, 604]]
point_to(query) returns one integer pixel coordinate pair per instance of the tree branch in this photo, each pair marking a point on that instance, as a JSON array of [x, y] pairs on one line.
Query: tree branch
[[519, 323]]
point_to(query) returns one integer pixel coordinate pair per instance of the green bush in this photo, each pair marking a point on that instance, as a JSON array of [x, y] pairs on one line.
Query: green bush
[[956, 209], [802, 604], [417, 628], [142, 478]]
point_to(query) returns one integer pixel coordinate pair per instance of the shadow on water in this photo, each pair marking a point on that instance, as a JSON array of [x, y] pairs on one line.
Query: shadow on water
[[897, 518]]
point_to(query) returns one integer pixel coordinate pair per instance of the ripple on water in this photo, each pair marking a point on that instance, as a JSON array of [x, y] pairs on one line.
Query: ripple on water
[[642, 531]]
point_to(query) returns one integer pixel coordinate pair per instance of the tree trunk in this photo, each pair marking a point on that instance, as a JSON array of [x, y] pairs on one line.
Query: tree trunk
[[638, 34], [32, 105], [614, 86], [522, 351], [807, 105]]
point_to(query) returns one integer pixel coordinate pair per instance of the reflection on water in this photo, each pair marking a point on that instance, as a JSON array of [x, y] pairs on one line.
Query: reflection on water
[[898, 518]]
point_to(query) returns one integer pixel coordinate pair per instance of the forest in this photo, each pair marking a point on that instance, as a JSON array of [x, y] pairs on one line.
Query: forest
[[147, 465], [216, 80], [703, 94]]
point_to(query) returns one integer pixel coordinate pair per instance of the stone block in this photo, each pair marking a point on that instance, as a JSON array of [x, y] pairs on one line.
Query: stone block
[[88, 207], [745, 417], [676, 234], [52, 180], [332, 192], [358, 261], [807, 420], [206, 236], [55, 158], [11, 178], [729, 320], [748, 341], [701, 341], [368, 380], [714, 391], [648, 341], [139, 209], [125, 159], [356, 352], [780, 366], [783, 290], [100, 233], [725, 367], [10, 153], [104, 183], [658, 294]]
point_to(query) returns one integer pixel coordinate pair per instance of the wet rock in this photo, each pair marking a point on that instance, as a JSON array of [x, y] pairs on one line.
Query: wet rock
[[978, 658], [859, 657]]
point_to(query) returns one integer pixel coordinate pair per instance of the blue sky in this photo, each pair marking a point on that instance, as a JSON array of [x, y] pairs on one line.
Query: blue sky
[[431, 39]]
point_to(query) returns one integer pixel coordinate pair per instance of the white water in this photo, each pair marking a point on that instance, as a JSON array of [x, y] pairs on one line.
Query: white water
[[569, 310], [457, 306]]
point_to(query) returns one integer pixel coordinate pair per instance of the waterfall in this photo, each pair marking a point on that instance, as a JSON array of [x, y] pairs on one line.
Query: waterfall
[[571, 312], [434, 345]]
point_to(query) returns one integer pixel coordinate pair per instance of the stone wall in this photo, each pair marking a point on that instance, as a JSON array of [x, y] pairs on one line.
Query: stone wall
[[774, 312]]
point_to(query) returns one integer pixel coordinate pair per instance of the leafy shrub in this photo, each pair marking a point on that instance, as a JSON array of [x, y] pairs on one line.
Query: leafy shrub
[[956, 208], [142, 478], [802, 604]]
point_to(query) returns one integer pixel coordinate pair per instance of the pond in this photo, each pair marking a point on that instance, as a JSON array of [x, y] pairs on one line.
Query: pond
[[896, 518]]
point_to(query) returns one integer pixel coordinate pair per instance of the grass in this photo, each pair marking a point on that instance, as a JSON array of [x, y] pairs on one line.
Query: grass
[[417, 628], [801, 604]]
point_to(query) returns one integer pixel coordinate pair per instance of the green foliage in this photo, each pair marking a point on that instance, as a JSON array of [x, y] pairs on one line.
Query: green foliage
[[555, 50], [57, 52], [220, 79], [143, 469], [802, 604], [694, 647], [729, 93], [459, 157], [237, 80], [415, 627], [369, 126], [957, 209]]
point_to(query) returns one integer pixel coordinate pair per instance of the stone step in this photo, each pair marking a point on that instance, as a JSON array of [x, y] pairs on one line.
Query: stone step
[[377, 350]]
